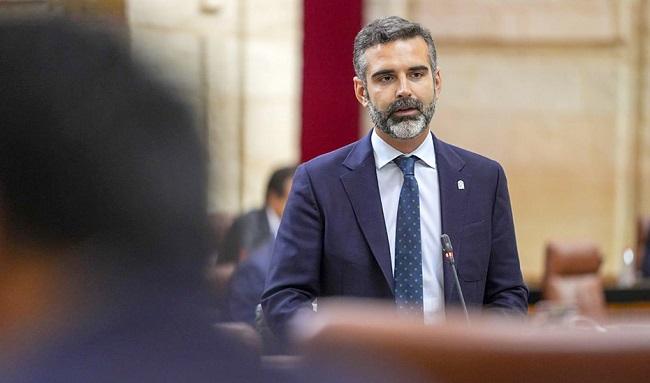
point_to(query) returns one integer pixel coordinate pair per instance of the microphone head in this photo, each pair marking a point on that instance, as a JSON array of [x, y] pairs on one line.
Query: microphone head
[[446, 244], [447, 250]]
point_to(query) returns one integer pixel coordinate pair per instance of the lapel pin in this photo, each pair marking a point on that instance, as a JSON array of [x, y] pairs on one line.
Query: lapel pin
[[461, 185]]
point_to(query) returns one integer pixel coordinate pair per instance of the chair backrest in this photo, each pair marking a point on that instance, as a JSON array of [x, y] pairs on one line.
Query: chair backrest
[[571, 277]]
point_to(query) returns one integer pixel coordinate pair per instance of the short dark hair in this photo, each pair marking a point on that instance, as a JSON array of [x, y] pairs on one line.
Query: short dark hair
[[277, 181], [93, 148], [385, 30]]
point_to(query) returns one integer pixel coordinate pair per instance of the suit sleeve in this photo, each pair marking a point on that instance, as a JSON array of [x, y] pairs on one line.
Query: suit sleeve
[[244, 292], [293, 281], [505, 290]]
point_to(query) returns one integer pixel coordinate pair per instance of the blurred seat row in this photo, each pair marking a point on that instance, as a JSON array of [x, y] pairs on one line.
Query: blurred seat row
[[571, 272], [540, 349]]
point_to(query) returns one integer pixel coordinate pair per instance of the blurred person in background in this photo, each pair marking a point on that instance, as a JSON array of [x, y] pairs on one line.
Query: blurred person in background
[[254, 228], [247, 284], [103, 223], [366, 220], [253, 234]]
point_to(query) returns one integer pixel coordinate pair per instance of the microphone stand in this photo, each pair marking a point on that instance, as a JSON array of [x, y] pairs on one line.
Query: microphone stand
[[449, 256], [448, 253]]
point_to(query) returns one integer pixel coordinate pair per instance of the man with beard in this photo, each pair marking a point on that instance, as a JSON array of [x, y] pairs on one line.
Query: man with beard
[[366, 220]]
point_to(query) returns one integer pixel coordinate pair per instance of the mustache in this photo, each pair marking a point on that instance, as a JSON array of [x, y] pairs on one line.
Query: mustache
[[404, 103]]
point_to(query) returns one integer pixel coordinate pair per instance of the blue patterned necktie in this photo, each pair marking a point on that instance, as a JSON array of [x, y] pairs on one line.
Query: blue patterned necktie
[[408, 244]]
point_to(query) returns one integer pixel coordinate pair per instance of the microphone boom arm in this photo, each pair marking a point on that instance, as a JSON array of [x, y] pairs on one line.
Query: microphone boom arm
[[448, 253]]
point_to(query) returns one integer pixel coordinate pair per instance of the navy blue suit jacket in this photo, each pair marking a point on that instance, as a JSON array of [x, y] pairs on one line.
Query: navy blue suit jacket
[[332, 240]]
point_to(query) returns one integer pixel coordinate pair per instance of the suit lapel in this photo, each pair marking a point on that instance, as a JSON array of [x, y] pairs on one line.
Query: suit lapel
[[453, 203], [362, 189]]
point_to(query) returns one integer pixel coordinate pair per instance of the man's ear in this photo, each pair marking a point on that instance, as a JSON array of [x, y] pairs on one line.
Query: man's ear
[[437, 83], [360, 91]]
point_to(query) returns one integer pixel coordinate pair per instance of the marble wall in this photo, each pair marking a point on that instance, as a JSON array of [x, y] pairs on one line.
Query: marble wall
[[238, 62], [557, 91]]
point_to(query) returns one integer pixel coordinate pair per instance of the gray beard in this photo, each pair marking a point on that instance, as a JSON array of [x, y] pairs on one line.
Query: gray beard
[[402, 128]]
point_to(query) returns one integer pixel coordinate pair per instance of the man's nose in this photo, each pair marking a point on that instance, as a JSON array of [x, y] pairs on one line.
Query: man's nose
[[404, 89]]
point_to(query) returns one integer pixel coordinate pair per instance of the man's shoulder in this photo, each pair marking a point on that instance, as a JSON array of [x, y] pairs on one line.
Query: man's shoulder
[[254, 219], [471, 159], [252, 216], [335, 156], [330, 162]]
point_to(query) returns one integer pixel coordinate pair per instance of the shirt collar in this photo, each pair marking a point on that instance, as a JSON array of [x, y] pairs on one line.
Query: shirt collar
[[274, 221], [384, 153]]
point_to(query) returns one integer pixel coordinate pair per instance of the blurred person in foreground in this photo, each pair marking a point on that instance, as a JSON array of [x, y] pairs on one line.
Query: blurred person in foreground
[[258, 226], [103, 225], [366, 220]]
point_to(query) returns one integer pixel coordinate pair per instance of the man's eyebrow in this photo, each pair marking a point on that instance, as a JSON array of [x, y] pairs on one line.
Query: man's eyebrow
[[419, 68], [382, 72]]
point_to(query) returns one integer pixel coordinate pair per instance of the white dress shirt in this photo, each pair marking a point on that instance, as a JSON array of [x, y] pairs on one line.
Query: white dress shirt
[[390, 179], [274, 221]]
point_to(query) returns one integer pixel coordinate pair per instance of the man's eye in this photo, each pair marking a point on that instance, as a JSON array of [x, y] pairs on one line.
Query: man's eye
[[386, 78], [417, 74]]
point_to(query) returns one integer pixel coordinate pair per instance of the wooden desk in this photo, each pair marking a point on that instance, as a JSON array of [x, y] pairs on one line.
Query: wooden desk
[[620, 300], [613, 295]]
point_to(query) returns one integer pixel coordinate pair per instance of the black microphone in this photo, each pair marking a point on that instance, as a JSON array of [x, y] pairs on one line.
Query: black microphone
[[448, 254]]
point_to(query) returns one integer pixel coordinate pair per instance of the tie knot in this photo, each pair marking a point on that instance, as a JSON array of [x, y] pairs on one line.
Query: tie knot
[[406, 164]]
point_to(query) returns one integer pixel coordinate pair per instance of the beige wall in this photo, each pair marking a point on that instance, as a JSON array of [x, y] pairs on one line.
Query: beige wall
[[238, 63], [555, 91], [644, 122], [113, 9], [108, 9]]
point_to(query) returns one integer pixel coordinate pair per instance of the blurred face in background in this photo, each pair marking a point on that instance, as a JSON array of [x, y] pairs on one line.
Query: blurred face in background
[[278, 202]]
